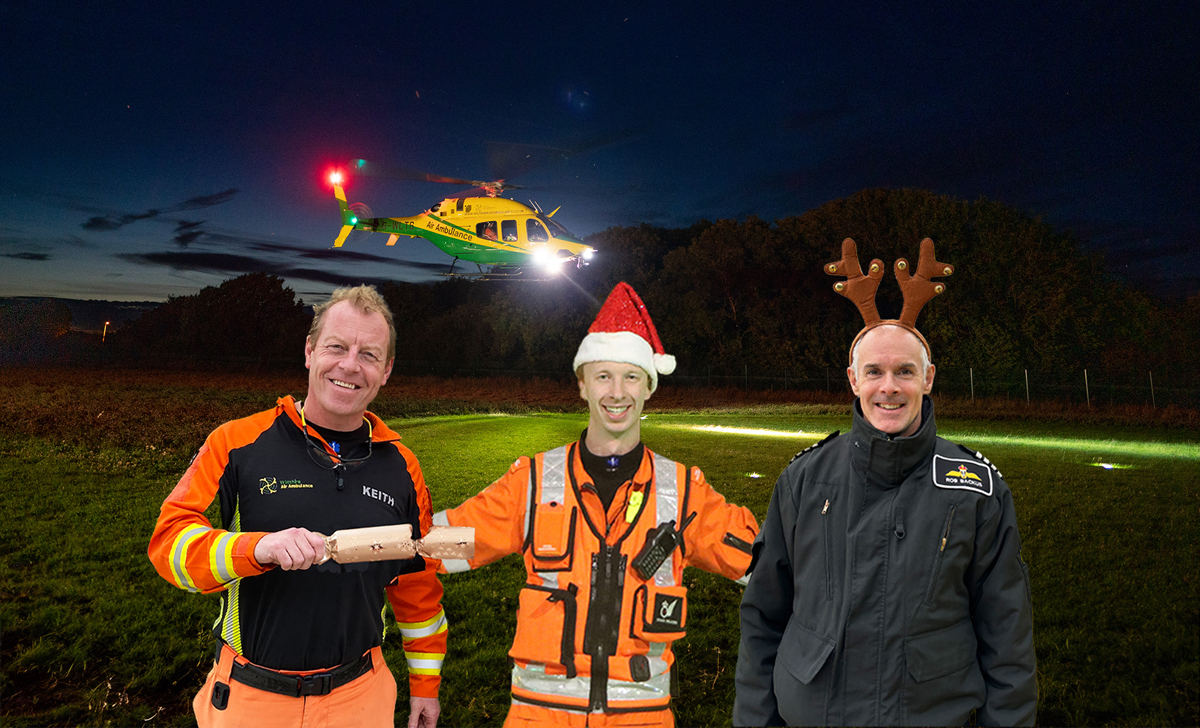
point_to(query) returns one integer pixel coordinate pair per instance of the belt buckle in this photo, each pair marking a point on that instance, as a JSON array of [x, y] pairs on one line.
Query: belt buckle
[[320, 683]]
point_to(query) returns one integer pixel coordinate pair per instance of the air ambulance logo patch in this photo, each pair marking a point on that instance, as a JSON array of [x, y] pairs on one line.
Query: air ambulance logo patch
[[668, 613], [962, 475]]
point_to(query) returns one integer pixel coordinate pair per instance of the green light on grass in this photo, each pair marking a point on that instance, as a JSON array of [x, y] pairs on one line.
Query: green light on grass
[[754, 475], [754, 431], [1174, 450], [1135, 448], [1113, 466]]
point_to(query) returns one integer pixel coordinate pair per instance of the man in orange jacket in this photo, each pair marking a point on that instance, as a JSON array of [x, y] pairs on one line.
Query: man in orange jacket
[[605, 526], [299, 638]]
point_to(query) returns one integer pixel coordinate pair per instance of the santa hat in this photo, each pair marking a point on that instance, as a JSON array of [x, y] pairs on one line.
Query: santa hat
[[623, 332]]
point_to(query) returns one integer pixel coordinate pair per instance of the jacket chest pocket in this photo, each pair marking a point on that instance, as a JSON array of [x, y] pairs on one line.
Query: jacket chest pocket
[[659, 613], [553, 544], [943, 543]]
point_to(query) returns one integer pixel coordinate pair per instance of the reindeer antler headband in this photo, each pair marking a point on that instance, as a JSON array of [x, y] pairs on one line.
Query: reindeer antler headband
[[917, 289]]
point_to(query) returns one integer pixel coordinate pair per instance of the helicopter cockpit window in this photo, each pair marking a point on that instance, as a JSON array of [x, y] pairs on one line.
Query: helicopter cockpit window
[[486, 230], [557, 230], [508, 230], [535, 232]]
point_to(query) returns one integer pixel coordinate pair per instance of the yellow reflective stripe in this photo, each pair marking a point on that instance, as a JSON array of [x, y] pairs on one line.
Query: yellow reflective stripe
[[231, 630], [416, 630], [179, 556], [424, 663], [220, 558]]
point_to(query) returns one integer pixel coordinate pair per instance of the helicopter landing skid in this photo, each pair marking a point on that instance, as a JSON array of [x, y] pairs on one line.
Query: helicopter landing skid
[[481, 276]]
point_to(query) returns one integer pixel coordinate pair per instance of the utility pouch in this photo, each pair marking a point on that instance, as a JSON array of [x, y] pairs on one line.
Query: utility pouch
[[546, 628], [659, 613], [553, 537]]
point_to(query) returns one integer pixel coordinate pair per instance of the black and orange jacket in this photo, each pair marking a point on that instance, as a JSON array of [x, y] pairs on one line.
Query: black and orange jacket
[[261, 471], [592, 634]]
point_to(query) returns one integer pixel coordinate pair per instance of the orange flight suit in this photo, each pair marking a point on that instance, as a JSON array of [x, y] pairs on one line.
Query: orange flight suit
[[593, 642]]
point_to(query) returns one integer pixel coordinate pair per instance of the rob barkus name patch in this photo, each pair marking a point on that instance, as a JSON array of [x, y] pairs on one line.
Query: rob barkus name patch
[[962, 475]]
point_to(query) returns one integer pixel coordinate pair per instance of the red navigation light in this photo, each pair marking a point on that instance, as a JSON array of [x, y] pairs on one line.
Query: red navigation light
[[335, 178]]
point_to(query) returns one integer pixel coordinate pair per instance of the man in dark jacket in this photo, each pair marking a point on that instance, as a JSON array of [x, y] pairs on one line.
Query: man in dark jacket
[[888, 586]]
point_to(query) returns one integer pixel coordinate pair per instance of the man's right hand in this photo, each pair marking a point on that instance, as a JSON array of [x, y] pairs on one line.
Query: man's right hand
[[293, 549]]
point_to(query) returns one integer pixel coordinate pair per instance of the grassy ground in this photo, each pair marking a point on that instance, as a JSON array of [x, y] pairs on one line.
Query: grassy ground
[[91, 636]]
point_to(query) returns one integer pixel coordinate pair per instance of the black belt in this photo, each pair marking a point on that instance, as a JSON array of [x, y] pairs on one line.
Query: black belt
[[296, 686]]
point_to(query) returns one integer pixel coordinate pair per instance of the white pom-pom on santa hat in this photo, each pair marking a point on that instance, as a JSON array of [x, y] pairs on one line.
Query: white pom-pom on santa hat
[[623, 332]]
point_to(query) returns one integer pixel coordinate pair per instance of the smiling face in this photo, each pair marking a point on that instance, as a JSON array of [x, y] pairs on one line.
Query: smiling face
[[889, 381], [347, 363], [615, 394]]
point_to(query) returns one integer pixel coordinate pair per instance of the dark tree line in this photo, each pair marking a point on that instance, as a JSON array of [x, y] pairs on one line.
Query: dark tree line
[[252, 319], [728, 294]]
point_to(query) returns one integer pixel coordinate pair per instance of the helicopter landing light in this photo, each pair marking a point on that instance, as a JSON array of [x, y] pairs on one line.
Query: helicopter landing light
[[589, 254]]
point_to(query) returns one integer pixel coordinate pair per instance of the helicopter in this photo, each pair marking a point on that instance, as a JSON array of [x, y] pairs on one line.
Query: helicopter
[[508, 237]]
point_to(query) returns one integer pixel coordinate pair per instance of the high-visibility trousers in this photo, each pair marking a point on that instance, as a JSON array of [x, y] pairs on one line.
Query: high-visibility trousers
[[368, 701], [524, 715]]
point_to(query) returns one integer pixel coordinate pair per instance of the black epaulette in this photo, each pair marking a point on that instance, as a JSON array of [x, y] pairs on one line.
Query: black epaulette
[[814, 446], [979, 456]]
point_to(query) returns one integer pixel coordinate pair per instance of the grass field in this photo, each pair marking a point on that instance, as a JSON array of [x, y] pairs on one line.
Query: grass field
[[91, 636]]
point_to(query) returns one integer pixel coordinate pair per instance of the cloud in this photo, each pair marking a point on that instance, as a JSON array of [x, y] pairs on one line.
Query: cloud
[[188, 232], [28, 256], [230, 264], [113, 222], [202, 201], [107, 223]]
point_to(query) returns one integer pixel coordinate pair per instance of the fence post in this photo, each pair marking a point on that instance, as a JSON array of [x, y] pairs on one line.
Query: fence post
[[1086, 391], [1152, 402], [972, 370], [1026, 386]]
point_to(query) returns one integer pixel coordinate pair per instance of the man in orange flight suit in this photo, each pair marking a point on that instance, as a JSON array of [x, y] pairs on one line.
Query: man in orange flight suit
[[299, 640], [605, 526]]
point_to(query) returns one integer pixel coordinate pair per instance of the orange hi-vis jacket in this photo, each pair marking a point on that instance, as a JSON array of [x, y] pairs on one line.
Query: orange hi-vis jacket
[[592, 635], [260, 470]]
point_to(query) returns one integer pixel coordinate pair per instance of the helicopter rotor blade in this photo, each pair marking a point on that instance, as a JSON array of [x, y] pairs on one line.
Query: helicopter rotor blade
[[374, 169]]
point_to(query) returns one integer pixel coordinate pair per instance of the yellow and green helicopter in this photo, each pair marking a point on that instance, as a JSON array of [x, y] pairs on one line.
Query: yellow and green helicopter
[[507, 237]]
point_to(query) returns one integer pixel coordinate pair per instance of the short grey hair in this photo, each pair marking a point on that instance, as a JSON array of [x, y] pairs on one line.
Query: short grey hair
[[364, 298], [925, 362]]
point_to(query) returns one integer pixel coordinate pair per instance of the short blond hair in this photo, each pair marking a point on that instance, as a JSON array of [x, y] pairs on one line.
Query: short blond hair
[[364, 298]]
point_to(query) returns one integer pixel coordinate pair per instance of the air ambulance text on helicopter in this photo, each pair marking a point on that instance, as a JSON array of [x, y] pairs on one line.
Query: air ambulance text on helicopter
[[511, 238]]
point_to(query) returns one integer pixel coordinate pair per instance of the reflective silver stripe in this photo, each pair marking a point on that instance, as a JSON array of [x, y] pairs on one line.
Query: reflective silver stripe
[[222, 558], [416, 630], [553, 484], [535, 680], [179, 556], [655, 653], [666, 498], [554, 475], [426, 663], [453, 566]]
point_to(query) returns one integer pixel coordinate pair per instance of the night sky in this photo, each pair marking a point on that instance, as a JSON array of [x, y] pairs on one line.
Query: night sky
[[151, 150]]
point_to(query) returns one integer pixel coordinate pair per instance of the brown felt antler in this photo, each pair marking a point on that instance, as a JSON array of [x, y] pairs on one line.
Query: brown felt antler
[[858, 288], [919, 289]]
